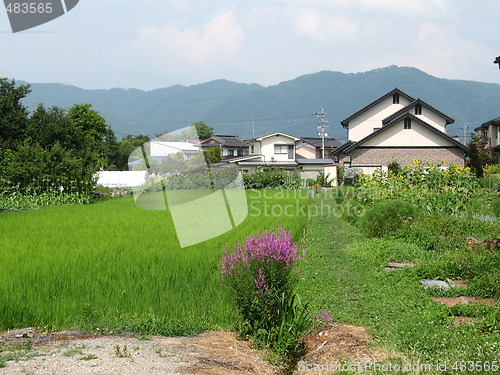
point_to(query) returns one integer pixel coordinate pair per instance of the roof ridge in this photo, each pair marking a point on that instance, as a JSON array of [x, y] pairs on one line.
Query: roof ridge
[[426, 124], [345, 122]]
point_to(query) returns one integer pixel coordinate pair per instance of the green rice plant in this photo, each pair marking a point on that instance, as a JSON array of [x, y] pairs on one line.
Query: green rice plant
[[111, 266]]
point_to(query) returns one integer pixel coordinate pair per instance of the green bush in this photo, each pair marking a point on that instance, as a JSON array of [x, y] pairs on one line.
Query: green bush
[[384, 218], [272, 178], [446, 233]]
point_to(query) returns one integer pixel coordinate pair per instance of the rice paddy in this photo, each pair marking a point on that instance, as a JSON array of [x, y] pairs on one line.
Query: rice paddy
[[87, 266]]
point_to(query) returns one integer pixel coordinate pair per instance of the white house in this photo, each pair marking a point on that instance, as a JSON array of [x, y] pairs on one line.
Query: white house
[[491, 131], [398, 128], [160, 149], [274, 147]]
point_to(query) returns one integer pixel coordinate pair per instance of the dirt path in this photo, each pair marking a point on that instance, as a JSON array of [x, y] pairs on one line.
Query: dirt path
[[211, 353]]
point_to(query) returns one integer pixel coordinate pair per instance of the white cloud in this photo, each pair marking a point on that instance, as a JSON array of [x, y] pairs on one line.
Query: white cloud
[[221, 35], [323, 26], [367, 6]]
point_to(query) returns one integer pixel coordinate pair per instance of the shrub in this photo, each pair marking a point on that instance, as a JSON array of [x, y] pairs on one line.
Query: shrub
[[384, 218], [272, 178], [261, 275]]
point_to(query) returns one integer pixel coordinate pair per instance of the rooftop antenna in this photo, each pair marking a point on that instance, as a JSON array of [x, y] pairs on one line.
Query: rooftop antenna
[[322, 127]]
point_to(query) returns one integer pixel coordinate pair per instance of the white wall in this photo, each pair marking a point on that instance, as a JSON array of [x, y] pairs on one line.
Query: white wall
[[363, 125], [418, 135], [267, 147], [432, 118]]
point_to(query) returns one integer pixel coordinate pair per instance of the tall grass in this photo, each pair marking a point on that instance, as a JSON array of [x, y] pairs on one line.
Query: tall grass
[[91, 265]]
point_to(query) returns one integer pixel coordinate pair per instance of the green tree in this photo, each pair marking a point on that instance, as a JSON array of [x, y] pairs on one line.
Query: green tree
[[13, 114], [91, 123], [48, 126], [479, 154], [126, 146], [213, 155], [204, 131]]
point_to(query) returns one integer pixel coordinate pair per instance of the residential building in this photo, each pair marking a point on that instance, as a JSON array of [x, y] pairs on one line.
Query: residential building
[[398, 128], [491, 131], [231, 145], [159, 149], [312, 147]]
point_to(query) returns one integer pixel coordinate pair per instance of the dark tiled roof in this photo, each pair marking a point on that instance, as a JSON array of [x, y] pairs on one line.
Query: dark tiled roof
[[342, 148], [355, 145], [269, 163], [316, 142], [403, 110], [345, 122], [227, 140], [314, 161]]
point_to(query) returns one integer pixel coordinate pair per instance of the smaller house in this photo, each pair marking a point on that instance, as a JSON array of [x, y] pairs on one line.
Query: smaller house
[[274, 147], [491, 131], [312, 147], [231, 145], [159, 150]]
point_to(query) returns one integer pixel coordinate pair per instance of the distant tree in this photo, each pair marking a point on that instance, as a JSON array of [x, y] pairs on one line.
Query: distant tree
[[13, 114], [126, 146], [213, 155], [479, 154], [48, 126], [91, 123], [204, 131]]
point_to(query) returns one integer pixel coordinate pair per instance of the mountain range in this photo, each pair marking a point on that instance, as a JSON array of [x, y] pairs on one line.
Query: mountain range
[[250, 109]]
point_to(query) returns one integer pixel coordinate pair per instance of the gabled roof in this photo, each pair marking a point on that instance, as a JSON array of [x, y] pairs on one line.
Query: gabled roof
[[345, 123], [355, 145], [495, 121], [242, 158], [403, 110], [313, 161], [316, 142], [270, 135], [268, 163], [159, 148], [343, 147], [226, 140]]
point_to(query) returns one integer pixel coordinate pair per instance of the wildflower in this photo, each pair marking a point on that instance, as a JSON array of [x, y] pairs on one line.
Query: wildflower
[[416, 161]]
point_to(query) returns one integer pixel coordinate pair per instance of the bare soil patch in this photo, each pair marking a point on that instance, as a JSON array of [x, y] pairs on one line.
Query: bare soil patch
[[210, 353], [340, 343], [464, 300]]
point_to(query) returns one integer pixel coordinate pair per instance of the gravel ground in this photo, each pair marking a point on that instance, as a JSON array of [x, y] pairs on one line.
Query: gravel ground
[[75, 354]]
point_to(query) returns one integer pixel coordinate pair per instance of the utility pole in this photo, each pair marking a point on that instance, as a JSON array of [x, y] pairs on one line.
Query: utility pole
[[322, 127], [465, 133]]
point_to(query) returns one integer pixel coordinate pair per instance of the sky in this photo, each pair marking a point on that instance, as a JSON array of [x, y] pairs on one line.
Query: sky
[[148, 44]]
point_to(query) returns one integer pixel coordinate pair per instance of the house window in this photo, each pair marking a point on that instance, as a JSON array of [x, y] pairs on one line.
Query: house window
[[395, 99], [418, 109], [240, 152], [407, 123], [230, 152], [280, 149], [253, 149]]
